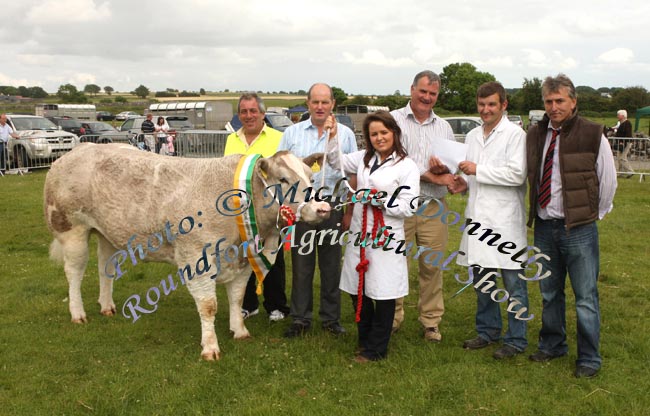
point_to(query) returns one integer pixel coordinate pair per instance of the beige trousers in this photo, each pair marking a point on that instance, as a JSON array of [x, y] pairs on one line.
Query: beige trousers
[[431, 233]]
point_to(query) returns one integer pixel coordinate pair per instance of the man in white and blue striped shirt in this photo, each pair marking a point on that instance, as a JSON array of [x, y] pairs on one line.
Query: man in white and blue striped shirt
[[303, 139], [422, 132]]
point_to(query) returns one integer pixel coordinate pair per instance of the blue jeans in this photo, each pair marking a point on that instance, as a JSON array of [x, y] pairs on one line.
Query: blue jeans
[[575, 251], [488, 311]]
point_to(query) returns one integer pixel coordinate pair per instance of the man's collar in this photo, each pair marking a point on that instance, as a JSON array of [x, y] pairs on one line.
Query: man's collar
[[409, 111]]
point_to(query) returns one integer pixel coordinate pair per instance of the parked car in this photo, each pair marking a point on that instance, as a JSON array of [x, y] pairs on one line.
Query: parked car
[[125, 115], [516, 120], [175, 123], [69, 124], [40, 139], [99, 132], [535, 116], [463, 125], [105, 116], [97, 127]]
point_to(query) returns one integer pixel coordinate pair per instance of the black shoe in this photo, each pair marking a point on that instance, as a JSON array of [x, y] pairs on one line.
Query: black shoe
[[476, 343], [296, 329], [587, 372], [507, 351], [334, 328], [542, 357]]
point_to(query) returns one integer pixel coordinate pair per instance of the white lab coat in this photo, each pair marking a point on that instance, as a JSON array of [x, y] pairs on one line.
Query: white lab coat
[[387, 275], [496, 196]]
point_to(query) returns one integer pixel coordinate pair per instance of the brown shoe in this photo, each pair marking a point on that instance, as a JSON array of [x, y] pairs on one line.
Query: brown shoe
[[432, 334], [361, 359]]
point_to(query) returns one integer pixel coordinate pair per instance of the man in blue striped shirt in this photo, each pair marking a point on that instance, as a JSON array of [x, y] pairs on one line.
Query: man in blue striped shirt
[[304, 139]]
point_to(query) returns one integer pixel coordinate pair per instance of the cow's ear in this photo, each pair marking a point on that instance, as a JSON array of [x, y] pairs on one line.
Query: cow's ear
[[263, 164], [313, 158]]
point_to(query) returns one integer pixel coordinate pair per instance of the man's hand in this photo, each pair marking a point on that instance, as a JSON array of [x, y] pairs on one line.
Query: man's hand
[[458, 185], [467, 167], [437, 167], [330, 124], [347, 218]]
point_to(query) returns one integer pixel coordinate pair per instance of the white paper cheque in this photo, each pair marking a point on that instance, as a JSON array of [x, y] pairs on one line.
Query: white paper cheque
[[451, 153]]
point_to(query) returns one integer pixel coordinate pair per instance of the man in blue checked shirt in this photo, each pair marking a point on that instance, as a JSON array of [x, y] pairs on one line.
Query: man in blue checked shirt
[[304, 139]]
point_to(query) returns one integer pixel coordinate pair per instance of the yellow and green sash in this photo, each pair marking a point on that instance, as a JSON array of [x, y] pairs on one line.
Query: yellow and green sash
[[246, 221]]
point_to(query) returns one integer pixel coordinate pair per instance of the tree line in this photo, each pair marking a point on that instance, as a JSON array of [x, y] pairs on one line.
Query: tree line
[[457, 94]]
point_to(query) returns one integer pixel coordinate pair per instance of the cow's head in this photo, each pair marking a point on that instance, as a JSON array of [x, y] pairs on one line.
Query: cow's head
[[293, 176]]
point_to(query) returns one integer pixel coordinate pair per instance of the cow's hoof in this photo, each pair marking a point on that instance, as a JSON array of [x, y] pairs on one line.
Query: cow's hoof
[[81, 320], [110, 311], [242, 334], [211, 355]]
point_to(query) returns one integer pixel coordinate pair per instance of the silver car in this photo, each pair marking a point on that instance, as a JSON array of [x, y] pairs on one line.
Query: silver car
[[463, 125]]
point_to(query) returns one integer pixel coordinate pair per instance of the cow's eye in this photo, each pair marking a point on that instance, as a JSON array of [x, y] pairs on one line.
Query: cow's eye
[[284, 180]]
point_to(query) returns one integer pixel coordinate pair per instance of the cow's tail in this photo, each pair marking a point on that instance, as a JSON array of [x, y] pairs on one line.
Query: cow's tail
[[56, 251]]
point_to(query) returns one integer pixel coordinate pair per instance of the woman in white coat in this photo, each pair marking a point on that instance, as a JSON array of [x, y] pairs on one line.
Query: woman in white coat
[[384, 167]]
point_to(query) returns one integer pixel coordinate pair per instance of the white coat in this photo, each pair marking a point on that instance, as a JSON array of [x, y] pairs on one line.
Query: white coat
[[496, 197], [387, 275]]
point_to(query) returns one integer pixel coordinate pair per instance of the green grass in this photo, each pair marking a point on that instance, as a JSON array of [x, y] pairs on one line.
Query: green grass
[[112, 366]]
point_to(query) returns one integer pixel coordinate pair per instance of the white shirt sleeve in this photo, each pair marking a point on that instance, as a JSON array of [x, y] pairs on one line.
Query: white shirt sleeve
[[606, 171]]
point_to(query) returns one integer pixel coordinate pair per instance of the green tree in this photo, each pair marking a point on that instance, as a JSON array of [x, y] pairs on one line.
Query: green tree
[[141, 91], [631, 98], [459, 83], [68, 93], [529, 97], [92, 89], [393, 102], [120, 99], [38, 92], [339, 95], [108, 90], [23, 91], [359, 100], [202, 91]]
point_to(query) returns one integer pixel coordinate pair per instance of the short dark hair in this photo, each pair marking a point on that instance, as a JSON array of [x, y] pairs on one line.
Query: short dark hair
[[387, 120], [252, 96], [431, 76], [490, 88], [553, 84]]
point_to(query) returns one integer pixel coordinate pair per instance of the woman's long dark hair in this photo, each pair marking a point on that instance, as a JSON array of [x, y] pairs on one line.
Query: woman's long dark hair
[[389, 122]]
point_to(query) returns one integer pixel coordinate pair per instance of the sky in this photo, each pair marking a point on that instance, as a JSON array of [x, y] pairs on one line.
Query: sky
[[364, 47]]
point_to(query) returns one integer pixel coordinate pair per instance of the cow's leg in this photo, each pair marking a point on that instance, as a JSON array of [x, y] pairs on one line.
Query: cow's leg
[[74, 244], [104, 252], [235, 290], [204, 293]]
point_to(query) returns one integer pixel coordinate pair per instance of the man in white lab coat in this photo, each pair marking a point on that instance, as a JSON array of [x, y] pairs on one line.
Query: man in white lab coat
[[496, 171]]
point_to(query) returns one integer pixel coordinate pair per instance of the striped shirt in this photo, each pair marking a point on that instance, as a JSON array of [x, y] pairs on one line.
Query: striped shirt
[[420, 141], [302, 140]]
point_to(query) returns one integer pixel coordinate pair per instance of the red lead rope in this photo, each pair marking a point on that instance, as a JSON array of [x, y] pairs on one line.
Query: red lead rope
[[287, 214], [362, 267]]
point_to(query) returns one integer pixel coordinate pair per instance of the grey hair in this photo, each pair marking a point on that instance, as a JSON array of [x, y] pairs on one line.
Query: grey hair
[[252, 96], [622, 113], [553, 84], [431, 76]]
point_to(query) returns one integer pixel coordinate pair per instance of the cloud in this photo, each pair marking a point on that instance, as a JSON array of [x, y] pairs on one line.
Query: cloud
[[375, 57], [538, 59], [68, 11], [616, 56]]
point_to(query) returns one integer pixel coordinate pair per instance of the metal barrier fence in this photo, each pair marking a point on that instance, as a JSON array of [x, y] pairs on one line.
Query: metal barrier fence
[[20, 155], [631, 154], [201, 143]]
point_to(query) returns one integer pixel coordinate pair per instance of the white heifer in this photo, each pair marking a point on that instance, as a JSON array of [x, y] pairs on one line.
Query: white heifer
[[116, 191]]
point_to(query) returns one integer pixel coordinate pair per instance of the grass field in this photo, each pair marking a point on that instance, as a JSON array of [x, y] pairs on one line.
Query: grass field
[[114, 367]]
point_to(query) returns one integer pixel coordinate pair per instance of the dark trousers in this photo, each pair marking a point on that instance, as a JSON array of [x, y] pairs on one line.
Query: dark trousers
[[274, 289], [329, 263], [375, 326], [3, 155]]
